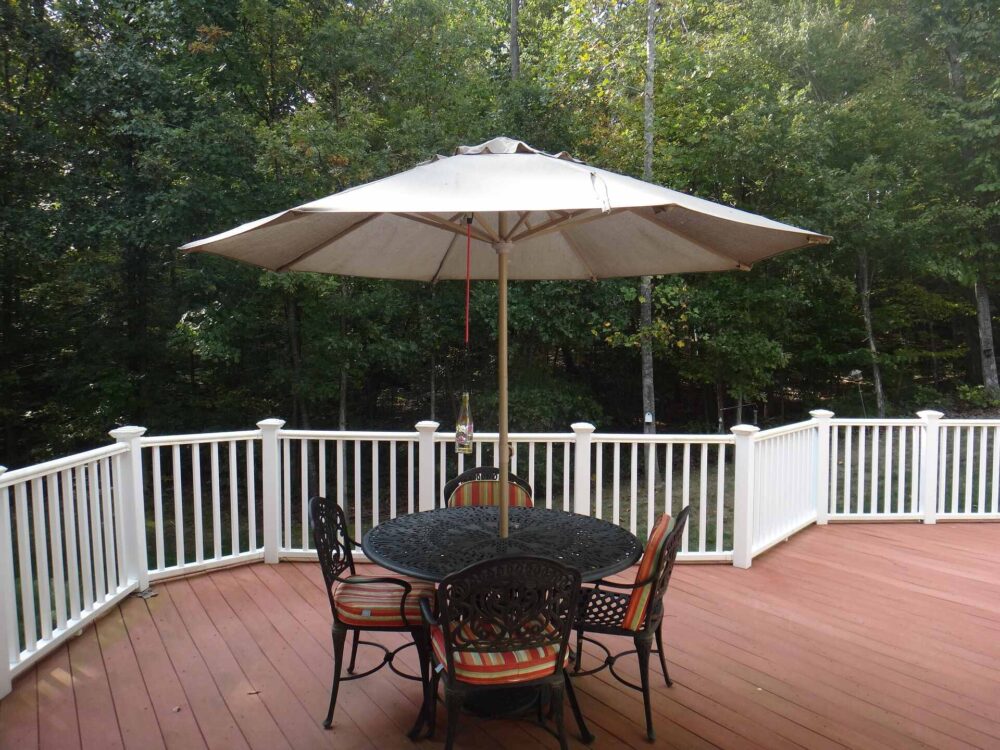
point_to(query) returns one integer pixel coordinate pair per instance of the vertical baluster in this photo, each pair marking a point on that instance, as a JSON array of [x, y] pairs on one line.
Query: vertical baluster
[[252, 545], [56, 548], [599, 482], [862, 463], [981, 495], [358, 528], [650, 486], [157, 510], [686, 492], [24, 566], [873, 479], [304, 490], [915, 448], [375, 484], [479, 452], [668, 481], [901, 471], [341, 478], [196, 502], [392, 479], [111, 572], [848, 436], [41, 558], [512, 466], [887, 473], [942, 471], [83, 527], [566, 482], [72, 555], [995, 474], [234, 500], [703, 499], [968, 458], [956, 454], [548, 474], [443, 468], [217, 499], [409, 476], [175, 455], [97, 537], [633, 503], [118, 498], [461, 464], [720, 495], [321, 449], [8, 594], [834, 458], [616, 485], [531, 467]]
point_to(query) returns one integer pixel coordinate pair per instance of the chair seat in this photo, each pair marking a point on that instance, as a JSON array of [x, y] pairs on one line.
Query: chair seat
[[376, 605], [497, 667]]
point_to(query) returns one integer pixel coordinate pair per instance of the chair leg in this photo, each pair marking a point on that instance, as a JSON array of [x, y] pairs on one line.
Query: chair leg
[[557, 705], [642, 649], [354, 652], [453, 702], [432, 701], [420, 639], [663, 659], [579, 650], [585, 734], [339, 636]]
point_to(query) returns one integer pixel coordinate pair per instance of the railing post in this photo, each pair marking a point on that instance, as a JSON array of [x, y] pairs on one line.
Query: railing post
[[425, 462], [581, 462], [929, 464], [133, 506], [743, 475], [270, 453], [8, 602], [821, 488]]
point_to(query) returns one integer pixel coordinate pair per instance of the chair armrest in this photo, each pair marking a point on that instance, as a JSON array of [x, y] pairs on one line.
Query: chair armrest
[[615, 584], [405, 585], [425, 611]]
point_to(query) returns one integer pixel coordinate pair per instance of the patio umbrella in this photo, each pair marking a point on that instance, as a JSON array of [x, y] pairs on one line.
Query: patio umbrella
[[534, 216]]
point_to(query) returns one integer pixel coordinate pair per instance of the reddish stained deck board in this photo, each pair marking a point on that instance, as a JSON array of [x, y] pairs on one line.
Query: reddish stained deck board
[[852, 636]]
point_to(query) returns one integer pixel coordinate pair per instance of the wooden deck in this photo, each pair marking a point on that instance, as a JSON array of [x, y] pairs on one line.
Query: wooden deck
[[860, 636]]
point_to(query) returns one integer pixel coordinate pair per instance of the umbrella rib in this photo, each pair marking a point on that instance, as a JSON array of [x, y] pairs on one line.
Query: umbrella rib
[[579, 255], [437, 273], [574, 218], [316, 248], [445, 225], [520, 221], [494, 237], [688, 238]]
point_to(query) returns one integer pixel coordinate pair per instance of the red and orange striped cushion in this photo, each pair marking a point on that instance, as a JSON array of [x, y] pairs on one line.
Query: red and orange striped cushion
[[487, 492], [491, 667], [635, 615], [376, 605]]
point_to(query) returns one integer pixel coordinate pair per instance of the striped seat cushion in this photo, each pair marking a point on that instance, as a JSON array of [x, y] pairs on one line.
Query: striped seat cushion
[[492, 667], [487, 492], [376, 605], [635, 613]]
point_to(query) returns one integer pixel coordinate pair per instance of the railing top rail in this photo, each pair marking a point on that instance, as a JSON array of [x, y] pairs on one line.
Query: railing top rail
[[159, 441], [875, 422], [59, 464], [785, 429], [347, 435], [514, 437], [634, 437], [970, 423]]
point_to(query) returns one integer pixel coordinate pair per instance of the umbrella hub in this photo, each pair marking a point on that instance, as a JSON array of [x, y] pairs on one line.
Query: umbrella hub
[[503, 248]]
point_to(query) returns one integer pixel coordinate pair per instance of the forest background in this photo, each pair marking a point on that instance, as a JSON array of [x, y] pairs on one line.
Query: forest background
[[131, 128]]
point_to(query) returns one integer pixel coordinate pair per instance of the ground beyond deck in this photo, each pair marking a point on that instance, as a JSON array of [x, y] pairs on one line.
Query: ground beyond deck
[[860, 636]]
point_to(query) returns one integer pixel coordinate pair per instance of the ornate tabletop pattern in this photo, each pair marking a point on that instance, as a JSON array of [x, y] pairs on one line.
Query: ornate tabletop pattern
[[432, 544]]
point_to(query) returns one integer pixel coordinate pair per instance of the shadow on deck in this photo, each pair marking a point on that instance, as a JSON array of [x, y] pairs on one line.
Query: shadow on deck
[[857, 636]]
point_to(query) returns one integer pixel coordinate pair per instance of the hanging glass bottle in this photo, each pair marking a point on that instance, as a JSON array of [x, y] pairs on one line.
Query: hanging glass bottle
[[463, 427]]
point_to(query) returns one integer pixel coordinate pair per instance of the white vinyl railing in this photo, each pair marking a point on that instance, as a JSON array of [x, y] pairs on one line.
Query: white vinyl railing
[[79, 533]]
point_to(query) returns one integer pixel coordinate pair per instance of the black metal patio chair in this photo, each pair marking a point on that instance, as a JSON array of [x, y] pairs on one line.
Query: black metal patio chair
[[364, 603], [636, 611], [504, 623]]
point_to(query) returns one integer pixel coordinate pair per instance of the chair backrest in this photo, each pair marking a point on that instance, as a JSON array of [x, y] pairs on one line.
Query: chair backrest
[[655, 567], [509, 604], [329, 529], [487, 492], [485, 473]]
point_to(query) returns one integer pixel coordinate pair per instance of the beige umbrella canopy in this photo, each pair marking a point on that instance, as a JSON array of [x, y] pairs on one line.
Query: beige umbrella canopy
[[535, 216]]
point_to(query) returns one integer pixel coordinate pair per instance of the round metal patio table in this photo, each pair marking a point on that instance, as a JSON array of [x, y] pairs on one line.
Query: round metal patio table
[[435, 543]]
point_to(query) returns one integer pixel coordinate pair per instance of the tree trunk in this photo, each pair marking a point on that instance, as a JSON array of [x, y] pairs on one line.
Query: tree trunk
[[300, 414], [720, 407], [984, 317], [433, 386], [342, 420], [515, 48], [864, 290]]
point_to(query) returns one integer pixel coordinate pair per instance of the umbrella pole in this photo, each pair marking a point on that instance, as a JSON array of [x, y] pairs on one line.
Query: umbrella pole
[[503, 250]]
